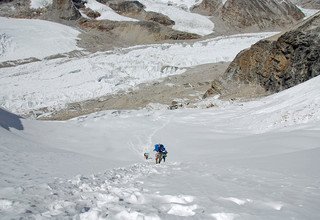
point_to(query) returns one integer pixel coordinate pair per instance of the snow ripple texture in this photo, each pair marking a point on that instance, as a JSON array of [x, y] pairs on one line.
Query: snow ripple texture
[[115, 194]]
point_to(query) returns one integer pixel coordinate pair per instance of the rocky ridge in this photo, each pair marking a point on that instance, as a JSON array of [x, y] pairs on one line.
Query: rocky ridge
[[274, 65], [251, 15]]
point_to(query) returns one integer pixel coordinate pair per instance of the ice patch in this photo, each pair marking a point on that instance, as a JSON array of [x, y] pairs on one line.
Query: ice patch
[[308, 12], [126, 215], [181, 210], [40, 3], [224, 216], [235, 200], [5, 43], [91, 215], [5, 204], [181, 199], [275, 205]]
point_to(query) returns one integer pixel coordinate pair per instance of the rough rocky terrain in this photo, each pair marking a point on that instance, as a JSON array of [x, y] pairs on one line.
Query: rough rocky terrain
[[260, 13], [275, 65], [247, 16]]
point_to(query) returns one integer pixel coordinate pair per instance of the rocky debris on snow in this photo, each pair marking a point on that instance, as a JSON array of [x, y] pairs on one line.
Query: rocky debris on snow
[[135, 9], [137, 32], [19, 9], [91, 13], [208, 7], [275, 65], [260, 13], [171, 93]]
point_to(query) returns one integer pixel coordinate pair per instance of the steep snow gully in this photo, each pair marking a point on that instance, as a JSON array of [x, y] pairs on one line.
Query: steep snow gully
[[238, 161]]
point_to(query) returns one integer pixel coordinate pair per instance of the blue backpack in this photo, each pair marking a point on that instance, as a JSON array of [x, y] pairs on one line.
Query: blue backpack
[[156, 147]]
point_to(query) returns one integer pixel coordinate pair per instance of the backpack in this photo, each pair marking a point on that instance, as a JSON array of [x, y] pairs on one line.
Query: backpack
[[156, 147], [162, 149]]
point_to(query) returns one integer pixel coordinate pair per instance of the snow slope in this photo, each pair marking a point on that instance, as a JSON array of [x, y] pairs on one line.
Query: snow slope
[[184, 19], [40, 3], [25, 38], [255, 160], [106, 12], [53, 83], [308, 12]]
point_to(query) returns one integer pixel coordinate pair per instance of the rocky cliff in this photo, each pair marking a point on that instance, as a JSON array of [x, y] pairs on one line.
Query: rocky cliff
[[276, 65]]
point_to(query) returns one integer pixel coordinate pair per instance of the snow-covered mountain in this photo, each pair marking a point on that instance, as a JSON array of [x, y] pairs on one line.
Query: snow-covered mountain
[[227, 159], [241, 160]]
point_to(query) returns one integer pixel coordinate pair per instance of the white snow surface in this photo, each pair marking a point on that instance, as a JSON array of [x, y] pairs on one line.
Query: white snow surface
[[184, 19], [26, 38], [184, 4], [308, 12], [254, 160], [40, 3], [54, 83], [106, 12]]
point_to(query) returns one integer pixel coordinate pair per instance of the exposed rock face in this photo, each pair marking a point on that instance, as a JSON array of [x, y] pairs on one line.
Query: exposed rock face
[[135, 9], [281, 64], [261, 13], [65, 9], [208, 7]]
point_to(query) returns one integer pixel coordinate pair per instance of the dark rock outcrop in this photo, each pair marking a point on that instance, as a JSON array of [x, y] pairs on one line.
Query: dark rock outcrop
[[65, 9], [276, 65]]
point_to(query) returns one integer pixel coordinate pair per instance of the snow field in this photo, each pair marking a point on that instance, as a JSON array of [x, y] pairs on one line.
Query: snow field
[[184, 20], [106, 12], [54, 83], [224, 169], [26, 38], [308, 12], [40, 3]]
